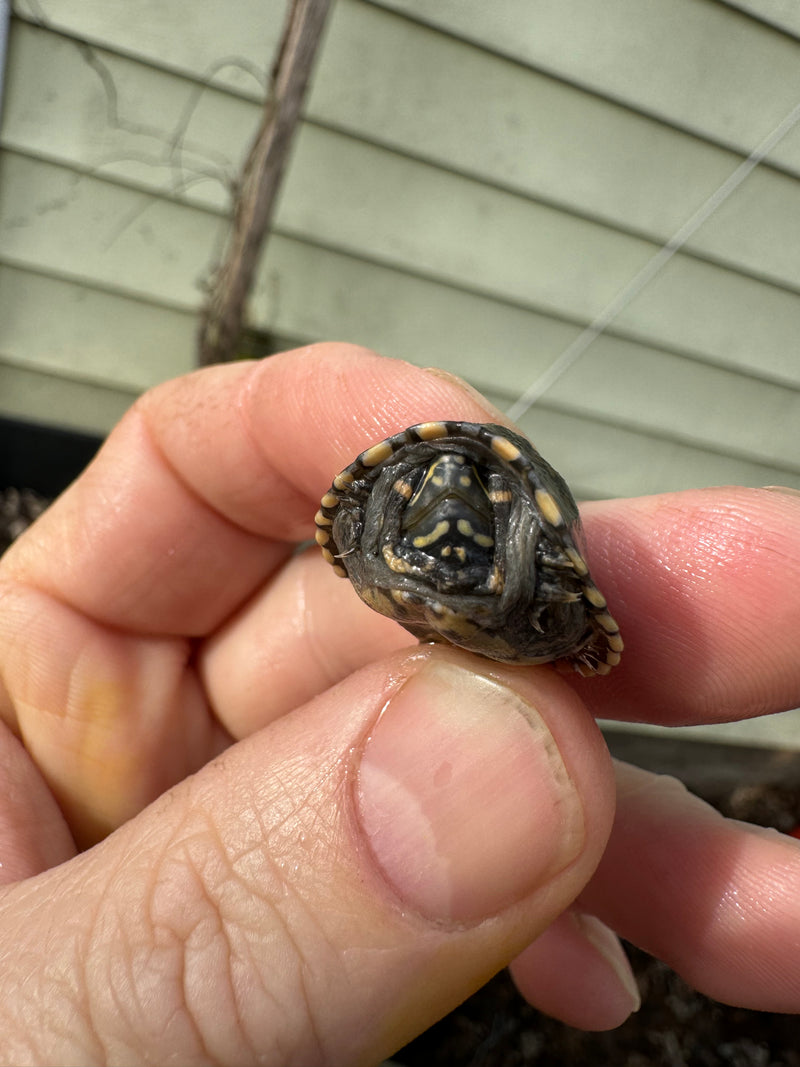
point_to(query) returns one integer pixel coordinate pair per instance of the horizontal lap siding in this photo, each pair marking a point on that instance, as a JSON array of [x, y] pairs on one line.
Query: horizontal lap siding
[[71, 402], [783, 14], [444, 204], [696, 64], [76, 328], [505, 125]]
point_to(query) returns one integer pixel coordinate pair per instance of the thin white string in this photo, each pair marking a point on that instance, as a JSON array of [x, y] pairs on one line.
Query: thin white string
[[576, 348]]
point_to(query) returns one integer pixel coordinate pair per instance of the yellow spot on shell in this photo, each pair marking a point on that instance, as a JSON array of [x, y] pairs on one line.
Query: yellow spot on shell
[[375, 455], [607, 623], [438, 531], [322, 520], [450, 622], [500, 496], [403, 488], [431, 431], [502, 447], [330, 500], [615, 643], [548, 507], [495, 583], [594, 596], [577, 561], [344, 480], [394, 562], [322, 537]]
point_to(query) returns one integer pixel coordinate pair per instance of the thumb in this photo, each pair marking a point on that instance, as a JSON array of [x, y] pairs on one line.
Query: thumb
[[320, 893]]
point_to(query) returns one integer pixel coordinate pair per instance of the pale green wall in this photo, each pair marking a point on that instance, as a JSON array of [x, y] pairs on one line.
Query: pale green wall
[[473, 183]]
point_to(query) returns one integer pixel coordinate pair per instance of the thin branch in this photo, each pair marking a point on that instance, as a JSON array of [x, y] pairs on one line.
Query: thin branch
[[223, 313]]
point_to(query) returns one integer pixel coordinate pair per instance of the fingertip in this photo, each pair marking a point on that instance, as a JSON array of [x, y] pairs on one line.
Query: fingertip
[[323, 418], [713, 898], [578, 972]]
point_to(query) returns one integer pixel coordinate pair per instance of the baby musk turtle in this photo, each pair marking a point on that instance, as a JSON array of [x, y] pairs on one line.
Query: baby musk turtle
[[463, 533]]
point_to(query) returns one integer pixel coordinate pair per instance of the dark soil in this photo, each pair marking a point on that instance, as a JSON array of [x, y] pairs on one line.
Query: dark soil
[[675, 1027], [18, 509]]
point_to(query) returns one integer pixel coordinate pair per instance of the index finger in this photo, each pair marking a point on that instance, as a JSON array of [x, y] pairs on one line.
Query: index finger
[[202, 490], [703, 585]]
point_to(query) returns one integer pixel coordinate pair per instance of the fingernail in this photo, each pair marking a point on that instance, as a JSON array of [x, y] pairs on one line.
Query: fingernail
[[463, 796], [766, 833], [785, 489], [606, 943]]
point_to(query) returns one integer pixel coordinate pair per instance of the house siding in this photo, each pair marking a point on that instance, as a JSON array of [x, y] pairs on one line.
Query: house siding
[[471, 185]]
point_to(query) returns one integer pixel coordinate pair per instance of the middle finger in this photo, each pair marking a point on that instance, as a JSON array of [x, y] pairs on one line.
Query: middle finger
[[702, 583]]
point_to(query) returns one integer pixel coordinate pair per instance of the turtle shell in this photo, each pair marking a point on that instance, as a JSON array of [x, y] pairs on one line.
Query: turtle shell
[[463, 533]]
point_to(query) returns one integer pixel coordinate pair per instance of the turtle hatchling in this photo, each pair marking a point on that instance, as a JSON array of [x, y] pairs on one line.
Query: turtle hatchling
[[463, 533]]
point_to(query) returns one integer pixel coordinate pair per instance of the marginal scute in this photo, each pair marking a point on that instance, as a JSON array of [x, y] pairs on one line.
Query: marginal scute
[[548, 507], [377, 454], [505, 449], [431, 431], [462, 532], [577, 561], [594, 596], [343, 481]]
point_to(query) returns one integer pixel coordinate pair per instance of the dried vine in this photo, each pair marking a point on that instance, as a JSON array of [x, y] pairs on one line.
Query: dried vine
[[223, 313]]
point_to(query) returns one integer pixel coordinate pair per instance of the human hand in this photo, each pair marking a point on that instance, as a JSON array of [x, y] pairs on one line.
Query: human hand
[[396, 822]]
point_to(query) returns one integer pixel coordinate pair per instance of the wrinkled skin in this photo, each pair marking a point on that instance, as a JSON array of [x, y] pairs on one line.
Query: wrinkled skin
[[203, 861]]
